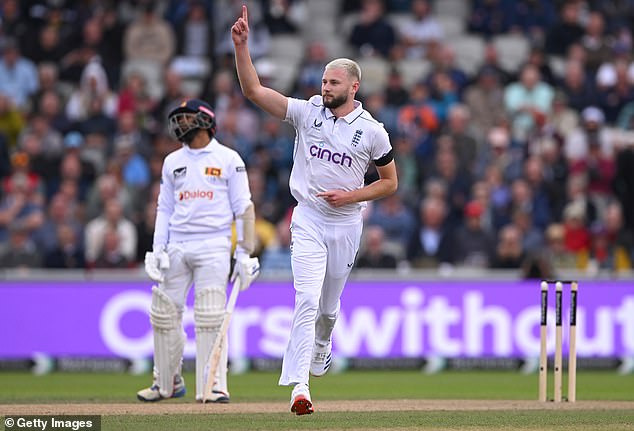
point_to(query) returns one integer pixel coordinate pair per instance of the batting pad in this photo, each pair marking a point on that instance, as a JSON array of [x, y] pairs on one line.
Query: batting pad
[[208, 316], [169, 340]]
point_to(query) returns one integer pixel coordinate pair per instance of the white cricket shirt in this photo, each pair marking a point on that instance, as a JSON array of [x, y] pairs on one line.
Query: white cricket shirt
[[332, 153], [201, 191]]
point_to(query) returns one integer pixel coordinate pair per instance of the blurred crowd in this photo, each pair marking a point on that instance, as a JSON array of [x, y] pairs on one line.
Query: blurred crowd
[[528, 167]]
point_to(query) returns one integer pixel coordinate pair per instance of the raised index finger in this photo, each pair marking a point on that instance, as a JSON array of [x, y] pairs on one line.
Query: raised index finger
[[245, 13]]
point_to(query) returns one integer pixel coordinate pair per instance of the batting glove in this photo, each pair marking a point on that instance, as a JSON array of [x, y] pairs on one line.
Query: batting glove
[[245, 270], [156, 264]]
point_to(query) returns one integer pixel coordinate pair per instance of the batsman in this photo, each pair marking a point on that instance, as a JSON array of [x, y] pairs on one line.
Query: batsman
[[204, 190]]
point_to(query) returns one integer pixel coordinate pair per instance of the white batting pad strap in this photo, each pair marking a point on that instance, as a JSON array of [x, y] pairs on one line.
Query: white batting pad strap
[[163, 312], [208, 309], [169, 340]]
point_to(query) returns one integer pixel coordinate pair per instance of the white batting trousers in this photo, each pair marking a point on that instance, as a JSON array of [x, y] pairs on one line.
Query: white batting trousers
[[205, 264], [323, 251]]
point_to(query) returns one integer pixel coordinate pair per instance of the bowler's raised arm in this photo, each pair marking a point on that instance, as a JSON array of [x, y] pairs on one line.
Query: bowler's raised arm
[[266, 98]]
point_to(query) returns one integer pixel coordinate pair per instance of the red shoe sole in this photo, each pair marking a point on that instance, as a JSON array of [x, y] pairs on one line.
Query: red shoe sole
[[302, 406]]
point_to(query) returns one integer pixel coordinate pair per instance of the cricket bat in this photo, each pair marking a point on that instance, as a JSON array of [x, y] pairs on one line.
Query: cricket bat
[[214, 357]]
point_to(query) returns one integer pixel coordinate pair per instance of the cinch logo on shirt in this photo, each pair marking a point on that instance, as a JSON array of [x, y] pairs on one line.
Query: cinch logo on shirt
[[329, 156], [195, 194]]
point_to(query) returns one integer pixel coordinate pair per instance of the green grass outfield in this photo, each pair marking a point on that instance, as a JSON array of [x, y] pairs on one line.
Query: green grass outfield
[[256, 388]]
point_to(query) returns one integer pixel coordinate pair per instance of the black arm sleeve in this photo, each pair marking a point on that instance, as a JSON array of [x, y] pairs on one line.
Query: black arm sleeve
[[384, 160]]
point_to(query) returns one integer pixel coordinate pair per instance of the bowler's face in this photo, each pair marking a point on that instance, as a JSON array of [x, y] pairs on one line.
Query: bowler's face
[[336, 87]]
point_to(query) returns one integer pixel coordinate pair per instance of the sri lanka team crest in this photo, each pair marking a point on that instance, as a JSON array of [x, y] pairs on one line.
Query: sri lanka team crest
[[213, 172]]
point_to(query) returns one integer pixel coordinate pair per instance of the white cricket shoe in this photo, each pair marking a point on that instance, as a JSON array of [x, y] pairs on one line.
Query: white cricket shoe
[[322, 358], [217, 396], [301, 403], [152, 393]]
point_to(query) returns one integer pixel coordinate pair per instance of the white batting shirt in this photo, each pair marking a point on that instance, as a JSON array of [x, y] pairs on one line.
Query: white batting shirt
[[201, 192], [332, 153]]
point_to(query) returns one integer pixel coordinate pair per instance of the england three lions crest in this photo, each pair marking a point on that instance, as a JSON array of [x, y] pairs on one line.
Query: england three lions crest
[[356, 139]]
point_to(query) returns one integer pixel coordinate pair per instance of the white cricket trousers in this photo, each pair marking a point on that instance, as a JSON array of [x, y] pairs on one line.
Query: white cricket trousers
[[323, 251]]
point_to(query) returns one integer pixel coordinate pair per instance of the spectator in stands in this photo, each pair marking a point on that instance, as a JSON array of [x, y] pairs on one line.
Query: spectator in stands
[[619, 236], [108, 186], [173, 95], [395, 92], [422, 33], [373, 253], [485, 100], [537, 58], [194, 32], [458, 183], [21, 203], [284, 16], [527, 101], [554, 171], [595, 42], [524, 197], [481, 193], [600, 169], [472, 245], [409, 170], [134, 97], [68, 252], [48, 47], [509, 253], [592, 131], [311, 70], [49, 105], [18, 75], [444, 61], [490, 17], [88, 48], [11, 120], [134, 168], [614, 95], [110, 235], [563, 119], [532, 18], [419, 120], [59, 213], [19, 251], [497, 152], [431, 243], [465, 144], [566, 30], [111, 254], [396, 219], [92, 87], [372, 34], [443, 93], [531, 237], [555, 257], [149, 38], [128, 128], [576, 234]]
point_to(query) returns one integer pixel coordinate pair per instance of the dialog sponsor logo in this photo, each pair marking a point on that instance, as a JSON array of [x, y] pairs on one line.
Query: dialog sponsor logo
[[195, 194]]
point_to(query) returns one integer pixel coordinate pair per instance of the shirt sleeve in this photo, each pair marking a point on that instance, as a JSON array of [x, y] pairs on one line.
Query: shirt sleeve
[[295, 111], [380, 145], [239, 193], [165, 207]]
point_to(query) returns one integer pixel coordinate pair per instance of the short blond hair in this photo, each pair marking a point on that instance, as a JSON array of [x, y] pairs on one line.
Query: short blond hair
[[350, 66]]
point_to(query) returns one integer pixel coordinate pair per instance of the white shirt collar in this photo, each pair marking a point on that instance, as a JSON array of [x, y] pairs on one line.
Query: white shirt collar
[[209, 148], [358, 110]]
